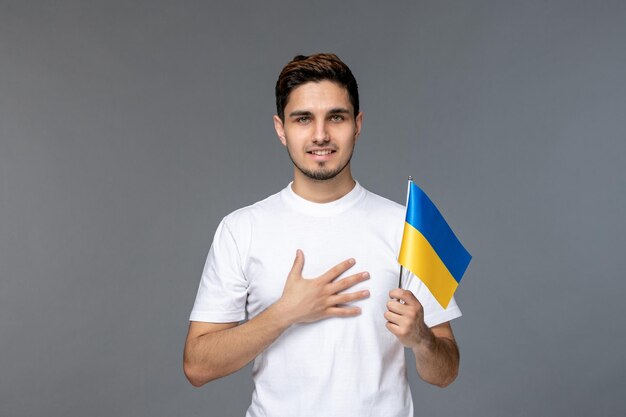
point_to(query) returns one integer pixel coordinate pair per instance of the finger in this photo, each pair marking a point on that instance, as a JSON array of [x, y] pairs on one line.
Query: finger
[[298, 265], [343, 311], [393, 318], [397, 307], [404, 295], [347, 298], [394, 329], [347, 282], [398, 325], [337, 270], [410, 313]]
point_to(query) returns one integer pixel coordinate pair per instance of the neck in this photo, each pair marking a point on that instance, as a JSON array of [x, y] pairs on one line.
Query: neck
[[324, 191]]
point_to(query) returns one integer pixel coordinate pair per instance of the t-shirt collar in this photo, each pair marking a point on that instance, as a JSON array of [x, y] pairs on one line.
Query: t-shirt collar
[[340, 205]]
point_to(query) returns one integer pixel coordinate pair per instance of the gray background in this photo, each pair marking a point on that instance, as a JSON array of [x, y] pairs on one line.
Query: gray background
[[129, 129]]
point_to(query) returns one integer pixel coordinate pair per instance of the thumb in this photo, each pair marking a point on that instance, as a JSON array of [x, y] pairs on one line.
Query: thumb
[[298, 264]]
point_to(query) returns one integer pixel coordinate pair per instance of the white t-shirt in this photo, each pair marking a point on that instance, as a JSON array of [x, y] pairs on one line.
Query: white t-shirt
[[334, 367]]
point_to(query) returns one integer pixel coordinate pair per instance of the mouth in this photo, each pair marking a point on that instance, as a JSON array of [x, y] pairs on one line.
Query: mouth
[[321, 152]]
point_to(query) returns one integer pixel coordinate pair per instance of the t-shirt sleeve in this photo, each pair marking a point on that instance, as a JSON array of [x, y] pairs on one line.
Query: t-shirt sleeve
[[221, 297], [434, 314]]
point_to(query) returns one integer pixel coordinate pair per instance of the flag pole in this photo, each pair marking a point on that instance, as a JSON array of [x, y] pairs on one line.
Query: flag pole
[[408, 190]]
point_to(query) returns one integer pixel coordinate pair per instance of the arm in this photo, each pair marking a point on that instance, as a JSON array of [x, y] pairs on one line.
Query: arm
[[213, 350], [436, 352]]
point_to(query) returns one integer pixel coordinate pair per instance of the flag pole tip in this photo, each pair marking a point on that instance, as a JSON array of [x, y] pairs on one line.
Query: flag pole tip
[[410, 178]]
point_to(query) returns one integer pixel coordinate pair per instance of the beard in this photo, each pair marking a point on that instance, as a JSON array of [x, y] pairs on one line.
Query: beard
[[322, 173]]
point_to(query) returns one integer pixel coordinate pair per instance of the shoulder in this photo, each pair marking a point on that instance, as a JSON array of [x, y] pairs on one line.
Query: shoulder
[[237, 228], [382, 215], [379, 205], [245, 217]]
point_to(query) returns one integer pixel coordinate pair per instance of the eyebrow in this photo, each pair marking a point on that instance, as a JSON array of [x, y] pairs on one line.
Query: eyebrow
[[337, 110], [298, 113]]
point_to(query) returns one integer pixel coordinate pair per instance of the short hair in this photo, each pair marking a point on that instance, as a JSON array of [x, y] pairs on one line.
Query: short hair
[[314, 68]]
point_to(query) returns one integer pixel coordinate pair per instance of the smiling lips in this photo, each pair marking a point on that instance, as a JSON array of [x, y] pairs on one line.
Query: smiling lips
[[321, 152]]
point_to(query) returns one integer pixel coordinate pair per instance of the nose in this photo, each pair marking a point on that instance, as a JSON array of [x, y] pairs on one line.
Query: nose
[[321, 134]]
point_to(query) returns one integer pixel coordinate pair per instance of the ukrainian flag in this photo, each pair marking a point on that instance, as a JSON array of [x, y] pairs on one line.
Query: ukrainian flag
[[429, 249]]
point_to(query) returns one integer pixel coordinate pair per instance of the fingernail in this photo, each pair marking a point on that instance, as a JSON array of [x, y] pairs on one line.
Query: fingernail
[[366, 275], [351, 261]]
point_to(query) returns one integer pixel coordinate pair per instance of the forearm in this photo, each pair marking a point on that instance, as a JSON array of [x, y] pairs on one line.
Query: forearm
[[213, 355], [437, 360]]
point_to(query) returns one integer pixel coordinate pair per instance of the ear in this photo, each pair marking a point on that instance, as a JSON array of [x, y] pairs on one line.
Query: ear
[[280, 130], [358, 122]]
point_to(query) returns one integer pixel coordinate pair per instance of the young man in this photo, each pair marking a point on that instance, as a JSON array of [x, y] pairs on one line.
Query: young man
[[327, 330]]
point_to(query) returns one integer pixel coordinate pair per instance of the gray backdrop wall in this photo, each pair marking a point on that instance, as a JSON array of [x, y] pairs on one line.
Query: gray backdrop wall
[[129, 129]]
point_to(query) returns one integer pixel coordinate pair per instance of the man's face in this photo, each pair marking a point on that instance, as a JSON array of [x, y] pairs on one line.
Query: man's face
[[319, 130]]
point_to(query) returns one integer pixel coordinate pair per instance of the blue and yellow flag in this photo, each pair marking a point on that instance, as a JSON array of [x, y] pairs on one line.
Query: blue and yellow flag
[[429, 249]]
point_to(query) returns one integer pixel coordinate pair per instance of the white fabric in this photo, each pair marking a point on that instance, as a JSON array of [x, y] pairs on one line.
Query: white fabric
[[338, 366]]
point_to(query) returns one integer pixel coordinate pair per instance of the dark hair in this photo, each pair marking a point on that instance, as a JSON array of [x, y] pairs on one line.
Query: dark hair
[[303, 69]]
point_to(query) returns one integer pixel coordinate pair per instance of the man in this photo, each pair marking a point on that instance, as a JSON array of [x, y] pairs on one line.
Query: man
[[327, 330]]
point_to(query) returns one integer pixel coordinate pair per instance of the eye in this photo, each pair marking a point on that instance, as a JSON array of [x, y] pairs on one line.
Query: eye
[[336, 118], [303, 120]]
